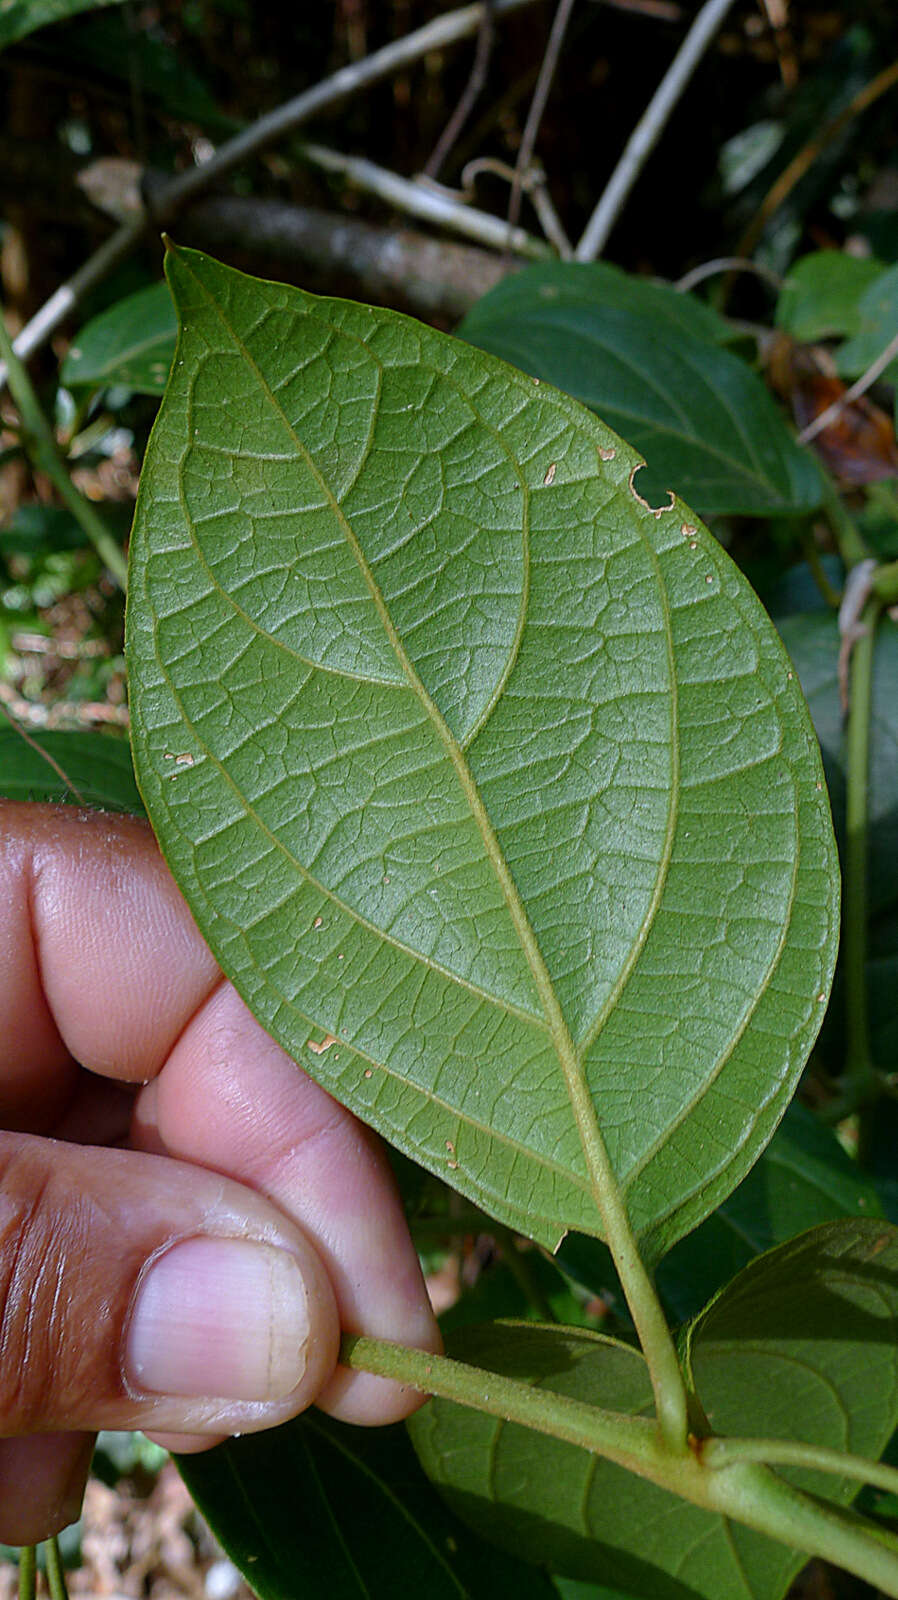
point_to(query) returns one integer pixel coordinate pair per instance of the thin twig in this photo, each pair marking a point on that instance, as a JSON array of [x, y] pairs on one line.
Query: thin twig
[[807, 155], [534, 184], [537, 107], [471, 93], [710, 269], [427, 200], [435, 35], [875, 369], [648, 129], [40, 444]]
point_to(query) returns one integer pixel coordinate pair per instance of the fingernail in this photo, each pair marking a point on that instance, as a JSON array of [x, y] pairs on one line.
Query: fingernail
[[219, 1319]]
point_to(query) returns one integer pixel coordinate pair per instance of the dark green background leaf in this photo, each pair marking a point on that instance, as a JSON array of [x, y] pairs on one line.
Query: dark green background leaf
[[594, 283], [511, 771], [821, 295], [33, 530], [812, 640], [131, 343], [18, 18], [97, 767], [704, 422], [803, 1178], [327, 1512]]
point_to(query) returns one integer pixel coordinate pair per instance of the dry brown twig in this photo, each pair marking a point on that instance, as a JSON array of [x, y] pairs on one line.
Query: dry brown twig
[[537, 107], [486, 34]]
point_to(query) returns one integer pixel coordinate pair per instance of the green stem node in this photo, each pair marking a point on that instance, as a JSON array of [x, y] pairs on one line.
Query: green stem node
[[745, 1490]]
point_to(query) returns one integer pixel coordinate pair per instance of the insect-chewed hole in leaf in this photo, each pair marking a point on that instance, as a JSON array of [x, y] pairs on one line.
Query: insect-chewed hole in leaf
[[650, 490]]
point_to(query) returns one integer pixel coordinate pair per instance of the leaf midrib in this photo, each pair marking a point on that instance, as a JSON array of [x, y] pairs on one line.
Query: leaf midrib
[[604, 1184]]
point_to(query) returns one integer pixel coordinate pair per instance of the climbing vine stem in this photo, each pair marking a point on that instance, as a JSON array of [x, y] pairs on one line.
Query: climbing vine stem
[[859, 1071]]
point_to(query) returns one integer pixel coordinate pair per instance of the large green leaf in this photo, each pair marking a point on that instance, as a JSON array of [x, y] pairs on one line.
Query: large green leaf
[[821, 296], [18, 18], [703, 420], [318, 1509], [132, 343], [801, 1346], [86, 768], [483, 780], [593, 283]]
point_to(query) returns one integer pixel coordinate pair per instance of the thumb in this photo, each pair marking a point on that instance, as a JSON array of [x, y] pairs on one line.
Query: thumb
[[141, 1292]]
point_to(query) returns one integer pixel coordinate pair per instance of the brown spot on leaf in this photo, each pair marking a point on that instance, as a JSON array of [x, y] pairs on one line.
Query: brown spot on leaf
[[317, 1048]]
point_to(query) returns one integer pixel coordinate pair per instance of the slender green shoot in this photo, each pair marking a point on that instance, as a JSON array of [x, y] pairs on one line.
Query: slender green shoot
[[860, 1076], [28, 1572], [37, 437], [55, 1571], [720, 1453]]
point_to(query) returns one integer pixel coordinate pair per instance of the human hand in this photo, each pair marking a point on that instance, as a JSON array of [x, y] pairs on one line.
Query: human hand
[[191, 1278]]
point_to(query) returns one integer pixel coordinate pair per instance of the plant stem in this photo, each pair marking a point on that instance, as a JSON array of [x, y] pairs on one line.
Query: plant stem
[[885, 583], [744, 1490], [28, 1572], [718, 1453], [537, 107], [41, 447], [859, 1071], [649, 128], [629, 1441], [55, 1571], [426, 200], [851, 546]]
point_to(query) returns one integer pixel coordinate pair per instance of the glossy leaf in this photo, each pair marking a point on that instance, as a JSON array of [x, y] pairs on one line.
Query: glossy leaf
[[877, 325], [35, 529], [593, 283], [18, 18], [131, 343], [800, 1346], [86, 768], [821, 296], [481, 779], [704, 422], [329, 1512]]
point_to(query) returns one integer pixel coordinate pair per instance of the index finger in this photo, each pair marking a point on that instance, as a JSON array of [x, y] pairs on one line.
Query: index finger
[[100, 960]]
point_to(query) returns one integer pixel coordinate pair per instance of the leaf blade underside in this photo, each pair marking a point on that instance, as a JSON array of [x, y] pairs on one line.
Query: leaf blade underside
[[469, 761]]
